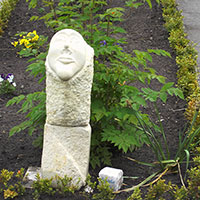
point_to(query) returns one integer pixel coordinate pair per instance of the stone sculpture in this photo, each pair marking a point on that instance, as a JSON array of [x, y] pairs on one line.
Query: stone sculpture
[[67, 133]]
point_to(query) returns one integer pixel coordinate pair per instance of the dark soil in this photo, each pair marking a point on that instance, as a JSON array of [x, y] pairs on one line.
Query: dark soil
[[145, 30]]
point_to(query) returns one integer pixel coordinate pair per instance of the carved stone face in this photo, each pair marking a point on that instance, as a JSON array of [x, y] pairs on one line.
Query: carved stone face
[[67, 53]]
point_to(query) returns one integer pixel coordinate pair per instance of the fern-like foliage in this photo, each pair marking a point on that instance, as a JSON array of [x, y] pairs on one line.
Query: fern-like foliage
[[34, 105]]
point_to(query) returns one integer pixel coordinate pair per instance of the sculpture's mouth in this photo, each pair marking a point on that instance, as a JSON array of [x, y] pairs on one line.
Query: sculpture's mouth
[[65, 60]]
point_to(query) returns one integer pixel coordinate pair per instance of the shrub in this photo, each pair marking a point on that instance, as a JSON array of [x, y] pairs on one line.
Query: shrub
[[6, 7], [186, 59]]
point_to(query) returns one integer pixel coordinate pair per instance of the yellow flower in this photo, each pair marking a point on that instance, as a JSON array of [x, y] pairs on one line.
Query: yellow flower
[[22, 41], [27, 44], [34, 32], [14, 43], [122, 83], [29, 34], [35, 38]]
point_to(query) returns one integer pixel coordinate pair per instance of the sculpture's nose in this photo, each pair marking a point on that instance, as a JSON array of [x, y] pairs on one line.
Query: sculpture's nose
[[66, 45], [67, 48]]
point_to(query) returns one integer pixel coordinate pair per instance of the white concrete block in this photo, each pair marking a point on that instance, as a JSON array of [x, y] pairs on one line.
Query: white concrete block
[[113, 176]]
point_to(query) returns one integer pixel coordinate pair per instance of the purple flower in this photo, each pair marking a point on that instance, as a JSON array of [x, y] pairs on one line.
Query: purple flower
[[3, 76], [103, 42], [9, 75], [10, 78], [118, 44]]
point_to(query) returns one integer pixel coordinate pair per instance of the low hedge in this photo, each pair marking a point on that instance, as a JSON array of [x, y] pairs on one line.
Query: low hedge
[[6, 7], [186, 59]]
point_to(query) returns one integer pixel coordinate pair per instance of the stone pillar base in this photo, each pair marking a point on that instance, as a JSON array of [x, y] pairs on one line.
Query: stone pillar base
[[66, 152]]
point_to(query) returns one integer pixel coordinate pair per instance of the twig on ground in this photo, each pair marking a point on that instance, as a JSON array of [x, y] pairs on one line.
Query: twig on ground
[[159, 177], [179, 170]]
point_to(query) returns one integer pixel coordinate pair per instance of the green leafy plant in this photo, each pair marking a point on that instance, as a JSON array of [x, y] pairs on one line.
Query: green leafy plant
[[42, 186], [5, 177], [186, 54], [194, 183], [19, 185], [104, 191], [137, 3], [29, 44], [7, 84], [156, 191], [90, 186], [57, 184], [186, 59], [136, 195], [33, 103], [6, 7], [164, 160], [161, 189], [65, 185], [11, 191], [36, 115]]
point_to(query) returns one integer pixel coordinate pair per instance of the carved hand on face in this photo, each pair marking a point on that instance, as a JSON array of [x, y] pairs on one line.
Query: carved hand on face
[[67, 54]]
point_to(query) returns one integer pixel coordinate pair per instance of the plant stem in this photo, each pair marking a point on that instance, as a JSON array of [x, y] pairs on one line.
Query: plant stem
[[91, 23], [139, 185], [51, 5], [83, 13], [155, 144], [159, 177], [108, 26], [162, 131], [179, 170]]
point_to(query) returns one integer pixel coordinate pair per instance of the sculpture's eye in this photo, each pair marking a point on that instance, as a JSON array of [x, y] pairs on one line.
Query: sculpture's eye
[[75, 40]]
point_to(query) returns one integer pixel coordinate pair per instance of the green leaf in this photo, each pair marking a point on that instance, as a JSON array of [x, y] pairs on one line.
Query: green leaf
[[149, 94], [34, 18], [149, 2], [166, 86], [15, 100], [161, 79], [139, 100], [159, 52], [163, 97], [32, 3], [179, 93], [141, 163], [98, 110], [187, 158], [119, 30], [26, 52], [123, 139], [133, 5], [170, 91]]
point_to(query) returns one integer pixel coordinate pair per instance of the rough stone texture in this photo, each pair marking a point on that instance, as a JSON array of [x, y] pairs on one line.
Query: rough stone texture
[[68, 102], [66, 152]]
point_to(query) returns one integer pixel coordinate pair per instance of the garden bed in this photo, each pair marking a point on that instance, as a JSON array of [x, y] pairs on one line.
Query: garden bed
[[145, 30]]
